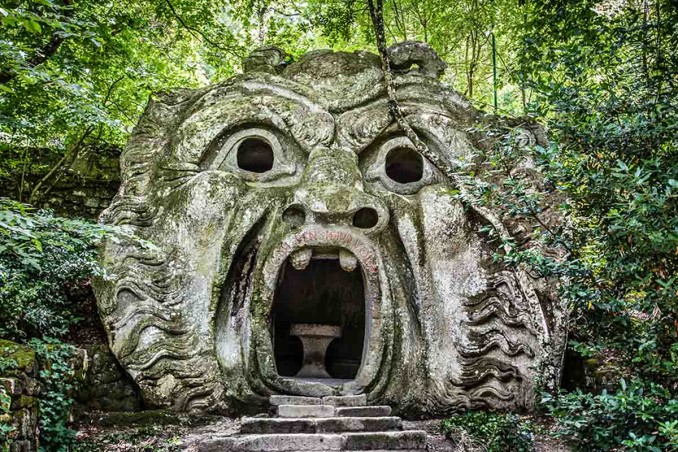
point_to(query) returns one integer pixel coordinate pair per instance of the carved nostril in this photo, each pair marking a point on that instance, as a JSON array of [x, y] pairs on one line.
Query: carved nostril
[[294, 216], [365, 218]]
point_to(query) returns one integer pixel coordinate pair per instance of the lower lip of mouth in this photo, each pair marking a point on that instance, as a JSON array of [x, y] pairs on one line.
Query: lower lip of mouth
[[325, 287]]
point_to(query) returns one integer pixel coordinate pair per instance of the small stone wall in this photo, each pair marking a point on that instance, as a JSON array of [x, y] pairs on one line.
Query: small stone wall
[[82, 199], [20, 387], [102, 386], [82, 190]]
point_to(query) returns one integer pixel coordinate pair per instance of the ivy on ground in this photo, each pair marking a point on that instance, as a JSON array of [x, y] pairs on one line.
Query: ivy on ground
[[493, 432]]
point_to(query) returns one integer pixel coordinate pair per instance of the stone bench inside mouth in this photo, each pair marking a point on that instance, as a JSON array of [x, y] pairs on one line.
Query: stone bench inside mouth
[[315, 339]]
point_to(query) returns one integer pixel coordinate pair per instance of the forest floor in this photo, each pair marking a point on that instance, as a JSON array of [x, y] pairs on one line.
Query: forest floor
[[169, 432]]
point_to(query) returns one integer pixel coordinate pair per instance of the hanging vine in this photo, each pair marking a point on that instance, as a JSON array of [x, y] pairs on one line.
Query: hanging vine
[[376, 8]]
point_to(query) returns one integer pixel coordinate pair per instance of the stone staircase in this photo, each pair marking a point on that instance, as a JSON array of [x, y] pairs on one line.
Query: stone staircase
[[313, 424]]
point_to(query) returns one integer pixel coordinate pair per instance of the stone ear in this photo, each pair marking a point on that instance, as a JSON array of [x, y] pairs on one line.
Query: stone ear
[[404, 55]]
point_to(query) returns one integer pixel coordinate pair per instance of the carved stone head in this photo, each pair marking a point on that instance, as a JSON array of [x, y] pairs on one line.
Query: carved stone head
[[284, 203]]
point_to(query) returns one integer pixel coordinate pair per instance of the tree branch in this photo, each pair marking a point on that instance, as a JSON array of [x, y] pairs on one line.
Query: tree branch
[[377, 15], [70, 155], [32, 199], [42, 54], [199, 34]]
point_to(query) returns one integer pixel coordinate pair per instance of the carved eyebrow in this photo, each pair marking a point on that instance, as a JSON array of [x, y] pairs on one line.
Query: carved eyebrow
[[362, 127], [307, 126]]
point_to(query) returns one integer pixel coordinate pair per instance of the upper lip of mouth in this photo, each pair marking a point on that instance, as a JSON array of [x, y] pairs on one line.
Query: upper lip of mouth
[[327, 242], [302, 257]]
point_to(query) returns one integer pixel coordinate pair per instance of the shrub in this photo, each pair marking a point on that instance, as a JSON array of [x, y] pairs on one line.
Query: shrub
[[42, 258], [639, 416], [496, 432]]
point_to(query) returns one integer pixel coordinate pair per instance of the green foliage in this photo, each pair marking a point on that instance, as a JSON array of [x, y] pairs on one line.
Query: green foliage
[[43, 258], [76, 75], [639, 416], [494, 432], [6, 428], [57, 377], [604, 84], [605, 81]]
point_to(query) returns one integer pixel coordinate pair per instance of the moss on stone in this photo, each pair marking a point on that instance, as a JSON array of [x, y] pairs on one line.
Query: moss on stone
[[23, 355], [24, 402]]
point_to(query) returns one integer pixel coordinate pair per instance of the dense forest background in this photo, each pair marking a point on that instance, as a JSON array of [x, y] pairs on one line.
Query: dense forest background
[[600, 76]]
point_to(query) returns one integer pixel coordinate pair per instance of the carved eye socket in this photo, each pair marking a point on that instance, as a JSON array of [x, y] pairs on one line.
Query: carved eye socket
[[398, 167], [404, 165], [255, 155]]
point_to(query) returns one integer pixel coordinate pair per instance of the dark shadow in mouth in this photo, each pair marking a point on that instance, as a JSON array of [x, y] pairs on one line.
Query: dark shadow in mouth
[[321, 294]]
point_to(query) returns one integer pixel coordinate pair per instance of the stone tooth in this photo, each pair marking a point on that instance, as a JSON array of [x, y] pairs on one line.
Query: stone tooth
[[347, 260], [301, 258]]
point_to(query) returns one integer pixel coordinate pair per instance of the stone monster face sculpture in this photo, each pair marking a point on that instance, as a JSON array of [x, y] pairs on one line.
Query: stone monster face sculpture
[[287, 196]]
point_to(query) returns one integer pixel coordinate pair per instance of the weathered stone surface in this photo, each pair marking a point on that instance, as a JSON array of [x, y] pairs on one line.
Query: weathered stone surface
[[406, 54], [302, 164], [280, 442], [363, 411], [105, 385], [305, 410], [321, 425], [276, 400], [411, 440], [315, 340], [320, 432], [12, 386], [20, 387], [352, 400]]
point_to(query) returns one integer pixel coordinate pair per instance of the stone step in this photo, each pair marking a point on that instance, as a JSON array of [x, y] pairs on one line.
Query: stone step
[[277, 400], [319, 425], [306, 411], [414, 440], [410, 439], [363, 411], [350, 400]]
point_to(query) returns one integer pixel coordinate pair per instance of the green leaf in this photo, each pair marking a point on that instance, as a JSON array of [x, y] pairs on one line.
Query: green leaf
[[32, 26]]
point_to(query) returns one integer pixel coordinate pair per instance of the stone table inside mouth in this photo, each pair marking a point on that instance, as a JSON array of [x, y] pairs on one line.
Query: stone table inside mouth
[[315, 339]]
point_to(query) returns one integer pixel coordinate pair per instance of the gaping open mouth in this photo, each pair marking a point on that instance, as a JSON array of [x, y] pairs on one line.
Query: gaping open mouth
[[318, 314], [319, 286]]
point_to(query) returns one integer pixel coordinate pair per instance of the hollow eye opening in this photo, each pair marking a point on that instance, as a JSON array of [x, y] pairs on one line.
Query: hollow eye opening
[[365, 218], [255, 155], [404, 165]]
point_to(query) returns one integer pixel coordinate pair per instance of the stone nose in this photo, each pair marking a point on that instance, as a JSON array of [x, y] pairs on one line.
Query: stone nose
[[331, 193]]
